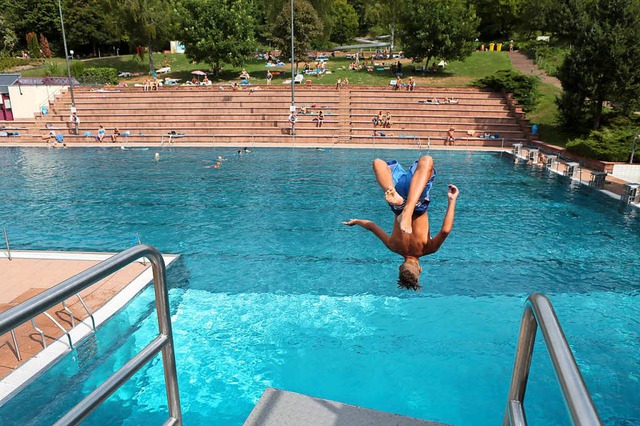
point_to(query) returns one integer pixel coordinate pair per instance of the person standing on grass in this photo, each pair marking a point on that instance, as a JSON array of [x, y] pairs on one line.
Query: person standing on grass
[[269, 77], [409, 194]]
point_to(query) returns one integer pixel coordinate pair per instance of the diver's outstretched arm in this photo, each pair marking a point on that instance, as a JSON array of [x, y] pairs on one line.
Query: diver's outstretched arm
[[447, 224], [370, 226]]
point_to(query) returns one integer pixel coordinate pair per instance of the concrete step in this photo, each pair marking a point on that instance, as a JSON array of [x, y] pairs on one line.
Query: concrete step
[[280, 408]]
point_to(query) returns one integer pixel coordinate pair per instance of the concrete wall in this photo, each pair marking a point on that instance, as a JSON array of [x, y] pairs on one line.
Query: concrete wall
[[628, 172], [27, 100]]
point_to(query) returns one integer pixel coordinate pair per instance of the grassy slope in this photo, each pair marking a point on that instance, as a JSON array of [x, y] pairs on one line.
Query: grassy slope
[[457, 73]]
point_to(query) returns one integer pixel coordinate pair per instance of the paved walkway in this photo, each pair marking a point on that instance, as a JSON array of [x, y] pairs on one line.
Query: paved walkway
[[527, 66], [22, 279]]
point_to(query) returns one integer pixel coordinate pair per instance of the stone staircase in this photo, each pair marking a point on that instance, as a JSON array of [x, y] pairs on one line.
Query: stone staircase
[[217, 114]]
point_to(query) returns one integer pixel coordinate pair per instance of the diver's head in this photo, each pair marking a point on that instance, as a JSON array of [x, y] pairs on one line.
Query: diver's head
[[409, 274]]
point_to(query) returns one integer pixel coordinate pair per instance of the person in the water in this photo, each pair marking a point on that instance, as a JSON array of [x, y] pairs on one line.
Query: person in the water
[[408, 195]]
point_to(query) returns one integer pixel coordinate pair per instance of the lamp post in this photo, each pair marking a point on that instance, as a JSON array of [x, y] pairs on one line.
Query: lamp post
[[66, 56], [293, 78], [633, 149]]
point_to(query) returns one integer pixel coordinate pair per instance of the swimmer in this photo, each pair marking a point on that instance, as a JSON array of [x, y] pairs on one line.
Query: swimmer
[[220, 158], [247, 150], [408, 195], [239, 152], [156, 157]]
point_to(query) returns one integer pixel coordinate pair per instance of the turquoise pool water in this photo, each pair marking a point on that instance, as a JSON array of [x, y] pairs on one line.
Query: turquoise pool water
[[272, 290]]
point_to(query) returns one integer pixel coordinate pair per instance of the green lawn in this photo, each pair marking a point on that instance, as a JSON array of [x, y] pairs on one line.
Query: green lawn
[[456, 73], [545, 116]]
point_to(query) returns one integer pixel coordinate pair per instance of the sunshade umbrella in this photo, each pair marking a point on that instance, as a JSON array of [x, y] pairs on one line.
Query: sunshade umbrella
[[199, 73]]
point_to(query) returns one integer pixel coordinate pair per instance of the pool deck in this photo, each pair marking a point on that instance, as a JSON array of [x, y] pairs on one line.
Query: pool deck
[[29, 273]]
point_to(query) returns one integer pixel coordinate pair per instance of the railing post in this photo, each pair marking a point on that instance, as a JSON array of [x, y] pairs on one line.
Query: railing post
[[164, 324], [524, 354], [6, 240]]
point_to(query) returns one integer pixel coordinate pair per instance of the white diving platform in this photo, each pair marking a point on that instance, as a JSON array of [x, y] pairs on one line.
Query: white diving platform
[[282, 408]]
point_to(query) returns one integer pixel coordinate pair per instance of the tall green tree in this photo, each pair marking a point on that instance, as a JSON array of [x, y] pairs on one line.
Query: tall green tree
[[8, 38], [345, 22], [324, 10], [307, 29], [603, 63], [38, 16], [146, 22], [498, 18], [438, 29], [537, 15], [89, 23], [226, 36]]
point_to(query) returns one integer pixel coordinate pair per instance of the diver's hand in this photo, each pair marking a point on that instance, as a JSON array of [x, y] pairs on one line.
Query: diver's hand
[[453, 192], [352, 222]]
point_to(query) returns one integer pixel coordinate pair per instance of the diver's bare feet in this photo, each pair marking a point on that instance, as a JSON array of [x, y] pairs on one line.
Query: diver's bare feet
[[392, 197], [405, 224]]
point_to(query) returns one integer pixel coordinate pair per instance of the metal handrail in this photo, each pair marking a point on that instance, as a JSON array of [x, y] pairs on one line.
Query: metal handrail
[[26, 311], [538, 311]]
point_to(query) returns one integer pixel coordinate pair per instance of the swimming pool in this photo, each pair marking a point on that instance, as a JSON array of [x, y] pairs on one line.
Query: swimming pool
[[273, 291]]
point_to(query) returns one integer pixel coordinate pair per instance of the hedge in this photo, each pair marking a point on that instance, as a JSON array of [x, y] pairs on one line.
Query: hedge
[[523, 87], [99, 76]]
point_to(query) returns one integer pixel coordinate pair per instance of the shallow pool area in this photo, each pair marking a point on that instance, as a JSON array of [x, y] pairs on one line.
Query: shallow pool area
[[271, 289]]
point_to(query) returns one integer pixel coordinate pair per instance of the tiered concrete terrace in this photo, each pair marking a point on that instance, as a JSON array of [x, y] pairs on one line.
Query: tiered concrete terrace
[[217, 114]]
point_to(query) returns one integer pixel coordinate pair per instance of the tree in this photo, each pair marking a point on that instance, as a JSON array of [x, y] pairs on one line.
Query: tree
[[146, 22], [226, 36], [8, 39], [89, 23], [39, 16], [438, 29], [33, 45], [44, 44], [537, 15], [307, 28], [345, 22], [603, 63], [498, 18]]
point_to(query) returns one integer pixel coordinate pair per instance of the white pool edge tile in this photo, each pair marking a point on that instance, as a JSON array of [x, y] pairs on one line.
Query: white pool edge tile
[[18, 379]]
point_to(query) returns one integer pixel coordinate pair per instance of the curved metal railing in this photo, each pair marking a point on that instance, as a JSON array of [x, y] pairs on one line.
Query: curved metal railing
[[538, 311], [28, 310]]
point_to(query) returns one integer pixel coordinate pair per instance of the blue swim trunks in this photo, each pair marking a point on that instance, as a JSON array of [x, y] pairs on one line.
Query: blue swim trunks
[[402, 181]]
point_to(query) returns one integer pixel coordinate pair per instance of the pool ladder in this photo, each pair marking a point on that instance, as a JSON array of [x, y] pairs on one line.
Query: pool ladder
[[33, 307], [538, 312]]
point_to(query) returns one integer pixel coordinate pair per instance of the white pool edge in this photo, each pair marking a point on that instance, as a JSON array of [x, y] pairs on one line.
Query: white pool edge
[[25, 374]]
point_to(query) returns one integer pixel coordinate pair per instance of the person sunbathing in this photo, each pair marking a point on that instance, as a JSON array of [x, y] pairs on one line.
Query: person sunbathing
[[408, 194], [451, 101]]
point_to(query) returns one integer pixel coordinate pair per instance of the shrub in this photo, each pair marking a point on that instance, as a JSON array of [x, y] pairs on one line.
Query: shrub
[[99, 76], [611, 143], [546, 56], [7, 61], [77, 68], [44, 44], [33, 45], [523, 87], [54, 70]]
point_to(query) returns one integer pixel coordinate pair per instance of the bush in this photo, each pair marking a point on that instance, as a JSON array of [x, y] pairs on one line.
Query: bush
[[523, 87], [99, 76], [54, 70], [33, 45], [77, 68], [7, 61], [612, 143]]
